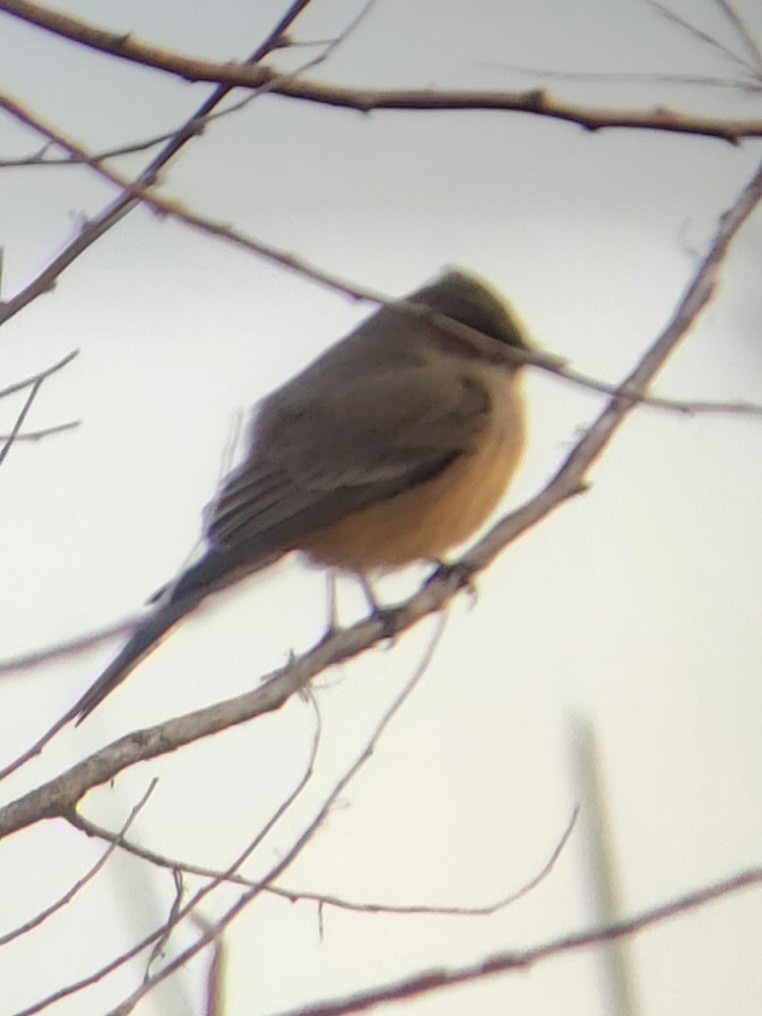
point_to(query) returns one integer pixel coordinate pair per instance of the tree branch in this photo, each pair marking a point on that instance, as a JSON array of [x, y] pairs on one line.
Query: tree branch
[[420, 984], [215, 929], [212, 931], [535, 102]]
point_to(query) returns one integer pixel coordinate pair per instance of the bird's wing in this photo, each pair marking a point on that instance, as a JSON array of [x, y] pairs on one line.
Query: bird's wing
[[315, 459]]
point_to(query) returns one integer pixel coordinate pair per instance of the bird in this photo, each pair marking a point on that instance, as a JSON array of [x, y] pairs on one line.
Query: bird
[[393, 446]]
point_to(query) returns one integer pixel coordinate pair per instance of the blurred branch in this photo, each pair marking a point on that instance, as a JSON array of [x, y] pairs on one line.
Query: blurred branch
[[421, 984], [38, 435], [536, 102], [71, 647], [744, 33], [750, 84], [751, 70], [736, 21], [41, 157], [214, 1002], [35, 379], [194, 127], [20, 420], [165, 206], [61, 794], [601, 868], [34, 384]]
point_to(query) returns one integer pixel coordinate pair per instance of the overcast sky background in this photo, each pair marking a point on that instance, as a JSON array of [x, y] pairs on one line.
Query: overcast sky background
[[635, 607]]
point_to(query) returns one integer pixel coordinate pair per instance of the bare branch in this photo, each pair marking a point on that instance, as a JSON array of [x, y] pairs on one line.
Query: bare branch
[[327, 899], [537, 103], [198, 123], [213, 932], [69, 895], [162, 931], [421, 984], [157, 951], [41, 157]]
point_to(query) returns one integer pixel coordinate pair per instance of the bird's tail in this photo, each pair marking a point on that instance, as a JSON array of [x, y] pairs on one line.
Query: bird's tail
[[213, 572], [142, 641]]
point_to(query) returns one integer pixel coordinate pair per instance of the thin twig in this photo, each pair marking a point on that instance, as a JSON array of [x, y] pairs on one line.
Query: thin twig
[[159, 946], [19, 386], [34, 384], [743, 32], [700, 35], [279, 868], [38, 435], [199, 123], [20, 420], [327, 899], [71, 647]]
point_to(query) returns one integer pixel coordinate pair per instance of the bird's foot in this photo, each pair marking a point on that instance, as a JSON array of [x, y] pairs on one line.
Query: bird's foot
[[387, 617], [458, 572]]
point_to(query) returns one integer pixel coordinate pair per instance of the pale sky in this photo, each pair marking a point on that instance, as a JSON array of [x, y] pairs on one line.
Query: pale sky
[[635, 607]]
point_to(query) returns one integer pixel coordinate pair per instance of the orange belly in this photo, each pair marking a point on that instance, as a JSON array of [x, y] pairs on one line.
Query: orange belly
[[425, 521]]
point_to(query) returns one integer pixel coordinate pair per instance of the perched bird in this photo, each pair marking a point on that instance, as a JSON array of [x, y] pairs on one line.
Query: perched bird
[[391, 447]]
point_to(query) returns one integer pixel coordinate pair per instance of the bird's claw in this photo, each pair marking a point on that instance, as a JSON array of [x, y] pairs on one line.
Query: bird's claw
[[388, 618], [460, 572]]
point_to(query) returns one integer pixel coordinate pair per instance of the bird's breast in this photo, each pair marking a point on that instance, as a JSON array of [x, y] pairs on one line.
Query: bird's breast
[[426, 520]]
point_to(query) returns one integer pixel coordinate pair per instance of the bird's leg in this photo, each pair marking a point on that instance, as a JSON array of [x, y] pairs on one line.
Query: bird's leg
[[387, 616], [374, 607], [332, 623]]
